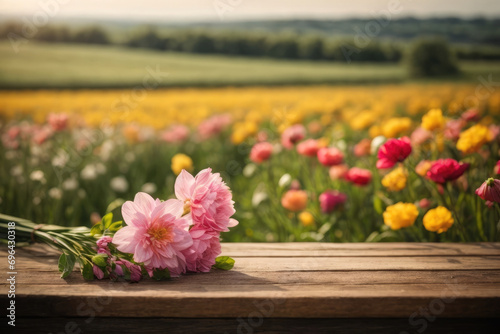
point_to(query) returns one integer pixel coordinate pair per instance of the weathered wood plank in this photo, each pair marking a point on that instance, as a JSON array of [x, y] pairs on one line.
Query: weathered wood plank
[[315, 305], [310, 249], [394, 249], [217, 277], [255, 325], [463, 278]]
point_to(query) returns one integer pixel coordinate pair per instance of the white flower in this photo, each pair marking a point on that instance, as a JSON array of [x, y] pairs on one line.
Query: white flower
[[37, 200], [70, 184], [61, 159], [119, 184], [106, 149], [285, 180], [55, 193], [89, 172], [149, 188], [37, 175]]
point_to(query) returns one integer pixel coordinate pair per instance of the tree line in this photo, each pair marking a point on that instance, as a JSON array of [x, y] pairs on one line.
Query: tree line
[[281, 45]]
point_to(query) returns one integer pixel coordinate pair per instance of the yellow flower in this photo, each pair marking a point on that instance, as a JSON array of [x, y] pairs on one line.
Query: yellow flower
[[306, 218], [362, 120], [400, 215], [433, 120], [395, 127], [472, 139], [395, 180], [438, 220], [181, 161]]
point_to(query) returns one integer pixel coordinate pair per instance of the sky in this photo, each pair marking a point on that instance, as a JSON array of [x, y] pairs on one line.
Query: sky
[[238, 10]]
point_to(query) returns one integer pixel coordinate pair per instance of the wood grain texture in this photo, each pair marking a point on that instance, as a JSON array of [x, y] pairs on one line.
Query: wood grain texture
[[289, 280]]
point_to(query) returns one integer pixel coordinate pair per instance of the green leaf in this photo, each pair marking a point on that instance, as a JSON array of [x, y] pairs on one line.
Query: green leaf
[[161, 274], [96, 229], [70, 264], [377, 204], [62, 262], [100, 260], [115, 226], [107, 220], [87, 271], [224, 263]]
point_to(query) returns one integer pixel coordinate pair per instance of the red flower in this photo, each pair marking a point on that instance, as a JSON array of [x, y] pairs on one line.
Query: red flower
[[308, 147], [261, 152], [393, 151], [330, 156], [489, 190], [444, 170], [293, 135], [358, 176], [330, 199]]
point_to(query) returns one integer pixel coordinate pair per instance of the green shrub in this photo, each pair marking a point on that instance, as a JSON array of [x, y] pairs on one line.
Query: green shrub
[[431, 57]]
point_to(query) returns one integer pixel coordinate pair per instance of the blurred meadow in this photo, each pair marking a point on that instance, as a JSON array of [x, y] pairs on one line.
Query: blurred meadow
[[291, 112]]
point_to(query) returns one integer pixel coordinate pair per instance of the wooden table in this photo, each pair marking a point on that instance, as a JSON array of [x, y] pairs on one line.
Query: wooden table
[[298, 287]]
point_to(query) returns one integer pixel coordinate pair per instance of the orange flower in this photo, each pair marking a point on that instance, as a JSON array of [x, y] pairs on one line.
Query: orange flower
[[294, 200]]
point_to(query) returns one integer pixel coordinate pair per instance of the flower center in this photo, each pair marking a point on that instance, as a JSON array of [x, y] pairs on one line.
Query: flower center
[[160, 235], [187, 207]]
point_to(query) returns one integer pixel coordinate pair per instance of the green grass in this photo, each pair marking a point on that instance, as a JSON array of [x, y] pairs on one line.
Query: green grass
[[39, 65]]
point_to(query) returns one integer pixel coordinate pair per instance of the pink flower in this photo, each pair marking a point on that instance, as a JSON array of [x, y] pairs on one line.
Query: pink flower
[[489, 190], [308, 147], [206, 199], [496, 169], [453, 129], [331, 199], [10, 137], [293, 135], [97, 272], [213, 126], [471, 115], [200, 257], [444, 170], [420, 136], [330, 156], [175, 134], [155, 233], [135, 270], [102, 245], [58, 122], [358, 176], [41, 134], [261, 152], [393, 151], [338, 172], [424, 203]]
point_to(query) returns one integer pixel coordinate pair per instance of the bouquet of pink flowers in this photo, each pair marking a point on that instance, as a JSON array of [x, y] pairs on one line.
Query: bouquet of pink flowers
[[159, 239]]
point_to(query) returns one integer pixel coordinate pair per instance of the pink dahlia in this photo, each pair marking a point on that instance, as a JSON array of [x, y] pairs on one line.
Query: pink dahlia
[[200, 257], [206, 199], [393, 151], [155, 233]]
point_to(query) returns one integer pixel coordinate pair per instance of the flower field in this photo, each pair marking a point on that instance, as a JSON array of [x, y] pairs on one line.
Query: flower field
[[412, 162]]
